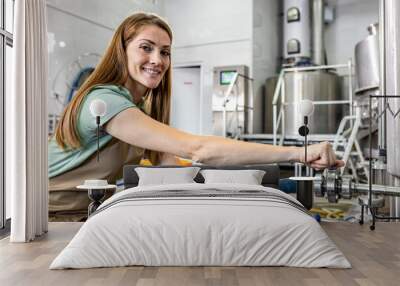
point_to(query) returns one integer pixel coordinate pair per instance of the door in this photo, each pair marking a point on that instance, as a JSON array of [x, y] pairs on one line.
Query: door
[[185, 101]]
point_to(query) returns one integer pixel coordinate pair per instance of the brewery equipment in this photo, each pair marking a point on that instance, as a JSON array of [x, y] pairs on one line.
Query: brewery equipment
[[297, 31], [304, 76], [232, 101]]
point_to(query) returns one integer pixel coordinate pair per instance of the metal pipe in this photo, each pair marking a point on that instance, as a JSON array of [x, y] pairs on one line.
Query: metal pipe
[[224, 121], [394, 203], [274, 127], [278, 88], [283, 112], [361, 158], [351, 140], [277, 92], [370, 153], [350, 65], [382, 73], [326, 67], [376, 189], [226, 100], [331, 102], [279, 117], [340, 130], [318, 55]]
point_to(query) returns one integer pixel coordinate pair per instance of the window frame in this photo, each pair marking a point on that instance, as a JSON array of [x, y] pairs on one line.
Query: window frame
[[6, 39]]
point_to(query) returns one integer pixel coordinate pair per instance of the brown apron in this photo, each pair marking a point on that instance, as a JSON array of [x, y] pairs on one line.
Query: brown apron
[[66, 202]]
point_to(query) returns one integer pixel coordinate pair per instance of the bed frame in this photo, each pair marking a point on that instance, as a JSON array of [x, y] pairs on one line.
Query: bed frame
[[270, 179]]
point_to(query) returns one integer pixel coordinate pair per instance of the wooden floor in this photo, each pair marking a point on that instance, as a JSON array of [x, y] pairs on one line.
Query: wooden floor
[[374, 255]]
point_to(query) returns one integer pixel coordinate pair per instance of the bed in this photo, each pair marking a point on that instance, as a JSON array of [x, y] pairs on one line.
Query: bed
[[201, 224]]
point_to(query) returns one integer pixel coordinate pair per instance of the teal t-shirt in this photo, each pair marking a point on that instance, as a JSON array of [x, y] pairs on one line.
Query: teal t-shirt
[[117, 99]]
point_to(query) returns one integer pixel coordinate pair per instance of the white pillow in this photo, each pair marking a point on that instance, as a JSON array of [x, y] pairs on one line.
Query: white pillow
[[163, 176], [249, 177]]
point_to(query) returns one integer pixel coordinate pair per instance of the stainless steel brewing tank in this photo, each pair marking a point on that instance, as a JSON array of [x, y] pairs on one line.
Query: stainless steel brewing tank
[[315, 86], [367, 61], [392, 82]]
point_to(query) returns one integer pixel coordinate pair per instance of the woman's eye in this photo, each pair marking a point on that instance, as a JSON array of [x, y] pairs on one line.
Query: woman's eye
[[146, 48], [166, 53]]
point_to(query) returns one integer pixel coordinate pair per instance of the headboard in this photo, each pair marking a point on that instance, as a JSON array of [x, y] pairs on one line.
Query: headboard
[[270, 179]]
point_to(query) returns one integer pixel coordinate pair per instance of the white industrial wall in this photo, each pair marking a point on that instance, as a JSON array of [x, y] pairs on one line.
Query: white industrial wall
[[210, 33], [352, 18], [84, 26]]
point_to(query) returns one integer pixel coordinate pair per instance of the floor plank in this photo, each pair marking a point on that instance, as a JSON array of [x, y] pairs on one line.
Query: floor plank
[[374, 255]]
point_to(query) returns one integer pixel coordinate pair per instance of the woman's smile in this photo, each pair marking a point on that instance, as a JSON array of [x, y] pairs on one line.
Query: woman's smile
[[152, 72]]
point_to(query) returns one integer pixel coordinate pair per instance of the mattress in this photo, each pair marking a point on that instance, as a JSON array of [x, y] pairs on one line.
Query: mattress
[[201, 225]]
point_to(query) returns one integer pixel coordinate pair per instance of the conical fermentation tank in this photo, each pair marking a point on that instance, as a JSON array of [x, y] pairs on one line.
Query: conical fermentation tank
[[367, 74], [313, 85]]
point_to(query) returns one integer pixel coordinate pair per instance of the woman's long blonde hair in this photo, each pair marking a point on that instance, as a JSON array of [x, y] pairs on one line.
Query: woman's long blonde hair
[[113, 69]]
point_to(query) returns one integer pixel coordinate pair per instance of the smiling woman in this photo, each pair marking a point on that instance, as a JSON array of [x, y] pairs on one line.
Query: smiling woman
[[134, 73], [134, 79]]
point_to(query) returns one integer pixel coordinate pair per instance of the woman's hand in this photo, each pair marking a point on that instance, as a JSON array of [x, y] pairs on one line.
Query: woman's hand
[[320, 156]]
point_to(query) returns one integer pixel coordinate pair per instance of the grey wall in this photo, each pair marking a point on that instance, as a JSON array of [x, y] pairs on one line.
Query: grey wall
[[267, 38]]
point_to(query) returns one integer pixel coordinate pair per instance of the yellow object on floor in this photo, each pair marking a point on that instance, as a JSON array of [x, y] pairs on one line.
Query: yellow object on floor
[[331, 213], [182, 162], [337, 211]]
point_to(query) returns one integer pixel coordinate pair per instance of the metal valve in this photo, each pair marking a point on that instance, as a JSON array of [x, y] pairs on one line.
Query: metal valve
[[331, 184]]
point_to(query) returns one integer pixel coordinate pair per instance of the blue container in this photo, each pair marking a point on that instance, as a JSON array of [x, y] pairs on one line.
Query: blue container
[[287, 186]]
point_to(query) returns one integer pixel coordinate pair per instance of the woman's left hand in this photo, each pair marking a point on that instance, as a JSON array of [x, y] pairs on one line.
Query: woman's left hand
[[320, 156]]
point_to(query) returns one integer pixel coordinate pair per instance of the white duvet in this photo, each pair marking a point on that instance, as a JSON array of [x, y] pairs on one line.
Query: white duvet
[[188, 231]]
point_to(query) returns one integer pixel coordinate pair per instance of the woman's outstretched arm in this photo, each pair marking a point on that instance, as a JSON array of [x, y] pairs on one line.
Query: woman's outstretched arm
[[136, 128]]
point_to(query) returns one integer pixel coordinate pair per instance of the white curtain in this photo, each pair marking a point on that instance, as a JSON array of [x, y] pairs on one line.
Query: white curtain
[[26, 120]]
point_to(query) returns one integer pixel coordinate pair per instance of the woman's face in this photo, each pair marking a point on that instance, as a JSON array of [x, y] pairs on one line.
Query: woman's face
[[149, 56]]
